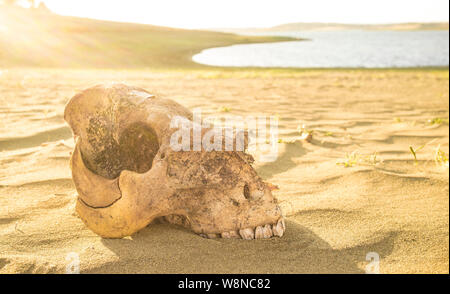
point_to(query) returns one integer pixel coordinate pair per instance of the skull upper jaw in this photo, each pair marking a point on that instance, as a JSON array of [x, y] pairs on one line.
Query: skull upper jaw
[[218, 212]]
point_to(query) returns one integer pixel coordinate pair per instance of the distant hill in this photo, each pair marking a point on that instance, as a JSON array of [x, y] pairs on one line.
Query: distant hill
[[292, 27], [31, 38]]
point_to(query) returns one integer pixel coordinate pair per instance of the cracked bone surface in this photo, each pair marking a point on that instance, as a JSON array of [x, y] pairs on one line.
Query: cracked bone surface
[[127, 175]]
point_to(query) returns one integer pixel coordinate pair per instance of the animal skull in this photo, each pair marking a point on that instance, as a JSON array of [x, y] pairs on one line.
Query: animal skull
[[127, 175]]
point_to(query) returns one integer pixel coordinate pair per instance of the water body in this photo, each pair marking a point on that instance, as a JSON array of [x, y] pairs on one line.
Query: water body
[[348, 49]]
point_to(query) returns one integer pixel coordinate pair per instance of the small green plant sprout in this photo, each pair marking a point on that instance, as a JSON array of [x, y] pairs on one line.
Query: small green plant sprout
[[351, 159], [373, 158], [328, 134], [398, 119], [224, 109], [437, 121], [440, 157], [354, 158], [414, 151], [283, 141]]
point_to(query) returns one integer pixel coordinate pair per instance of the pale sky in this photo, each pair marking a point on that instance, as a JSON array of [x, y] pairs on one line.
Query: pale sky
[[253, 13]]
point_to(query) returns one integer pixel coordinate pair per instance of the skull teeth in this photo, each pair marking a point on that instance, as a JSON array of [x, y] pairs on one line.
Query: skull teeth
[[247, 233], [279, 228], [267, 232], [264, 232], [260, 232], [231, 235]]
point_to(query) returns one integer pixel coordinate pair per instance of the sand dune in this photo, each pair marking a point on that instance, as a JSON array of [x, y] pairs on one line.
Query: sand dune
[[387, 204]]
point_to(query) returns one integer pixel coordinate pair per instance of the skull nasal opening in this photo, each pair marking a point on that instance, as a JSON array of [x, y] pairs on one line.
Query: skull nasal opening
[[135, 150], [246, 191]]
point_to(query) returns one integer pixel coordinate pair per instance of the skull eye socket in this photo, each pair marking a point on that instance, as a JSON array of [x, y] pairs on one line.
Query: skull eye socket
[[246, 191], [137, 146]]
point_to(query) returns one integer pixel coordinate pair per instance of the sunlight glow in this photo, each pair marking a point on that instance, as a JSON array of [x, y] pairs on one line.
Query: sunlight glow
[[254, 13]]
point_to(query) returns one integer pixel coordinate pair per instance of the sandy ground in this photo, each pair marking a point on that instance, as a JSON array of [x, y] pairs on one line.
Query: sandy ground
[[335, 214]]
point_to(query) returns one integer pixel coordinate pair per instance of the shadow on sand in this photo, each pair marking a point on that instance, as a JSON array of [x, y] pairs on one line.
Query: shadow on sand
[[163, 248], [284, 161]]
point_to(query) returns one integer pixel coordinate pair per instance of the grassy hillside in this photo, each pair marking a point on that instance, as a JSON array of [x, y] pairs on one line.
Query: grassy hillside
[[47, 40]]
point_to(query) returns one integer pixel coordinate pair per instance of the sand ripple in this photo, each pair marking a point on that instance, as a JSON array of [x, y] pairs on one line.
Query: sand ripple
[[392, 205]]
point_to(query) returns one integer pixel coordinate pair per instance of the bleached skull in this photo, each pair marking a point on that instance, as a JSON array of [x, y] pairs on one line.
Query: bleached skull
[[126, 173]]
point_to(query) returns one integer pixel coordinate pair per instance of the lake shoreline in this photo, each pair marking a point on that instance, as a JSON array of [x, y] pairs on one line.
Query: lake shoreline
[[340, 49]]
